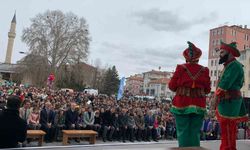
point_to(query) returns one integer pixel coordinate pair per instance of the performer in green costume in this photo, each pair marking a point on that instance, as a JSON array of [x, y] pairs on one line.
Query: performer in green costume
[[230, 104]]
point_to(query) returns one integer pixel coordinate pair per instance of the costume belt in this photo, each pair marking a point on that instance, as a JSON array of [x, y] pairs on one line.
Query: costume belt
[[231, 94], [190, 92]]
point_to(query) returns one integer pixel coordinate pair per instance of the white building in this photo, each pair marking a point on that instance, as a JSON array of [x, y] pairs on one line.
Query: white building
[[155, 83], [245, 60]]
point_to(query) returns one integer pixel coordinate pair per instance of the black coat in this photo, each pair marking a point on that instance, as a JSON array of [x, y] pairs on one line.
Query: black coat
[[46, 118], [13, 129], [115, 121], [123, 120], [70, 118], [107, 118]]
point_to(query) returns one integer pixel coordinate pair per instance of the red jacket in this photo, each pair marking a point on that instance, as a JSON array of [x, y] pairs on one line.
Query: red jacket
[[181, 78]]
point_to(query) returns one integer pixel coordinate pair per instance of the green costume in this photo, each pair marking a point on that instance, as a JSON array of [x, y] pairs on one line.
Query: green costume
[[231, 109], [232, 80]]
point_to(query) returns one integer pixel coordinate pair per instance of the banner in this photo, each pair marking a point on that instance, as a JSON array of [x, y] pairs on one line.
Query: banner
[[120, 91]]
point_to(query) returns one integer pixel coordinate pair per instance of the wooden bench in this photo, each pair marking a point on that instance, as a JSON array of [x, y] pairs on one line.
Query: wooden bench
[[79, 133], [36, 134]]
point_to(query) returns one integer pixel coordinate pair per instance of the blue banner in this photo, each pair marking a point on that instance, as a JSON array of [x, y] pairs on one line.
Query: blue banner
[[120, 91]]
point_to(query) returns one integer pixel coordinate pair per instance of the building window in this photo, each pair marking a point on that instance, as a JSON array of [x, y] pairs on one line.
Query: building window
[[222, 30], [221, 40], [212, 62], [215, 72], [233, 33], [214, 83], [214, 43], [218, 42], [211, 74], [245, 46], [163, 87], [243, 55], [215, 62], [219, 72], [246, 37], [214, 32], [218, 31]]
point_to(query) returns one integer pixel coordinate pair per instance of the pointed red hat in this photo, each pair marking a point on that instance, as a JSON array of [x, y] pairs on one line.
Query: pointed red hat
[[192, 53], [231, 48]]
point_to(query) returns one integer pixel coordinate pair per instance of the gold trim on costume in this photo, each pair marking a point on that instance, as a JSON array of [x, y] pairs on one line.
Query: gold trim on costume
[[190, 106], [232, 117]]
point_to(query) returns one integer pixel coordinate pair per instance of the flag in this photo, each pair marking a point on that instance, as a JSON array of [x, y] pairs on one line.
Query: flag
[[120, 91]]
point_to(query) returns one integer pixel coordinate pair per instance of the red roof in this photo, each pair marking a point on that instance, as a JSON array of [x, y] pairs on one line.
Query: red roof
[[135, 78], [160, 81], [158, 72]]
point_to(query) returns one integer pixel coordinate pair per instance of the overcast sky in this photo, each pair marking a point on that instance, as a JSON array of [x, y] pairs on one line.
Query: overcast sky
[[134, 35]]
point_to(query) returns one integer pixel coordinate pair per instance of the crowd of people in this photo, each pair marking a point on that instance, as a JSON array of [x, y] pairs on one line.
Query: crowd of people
[[123, 120]]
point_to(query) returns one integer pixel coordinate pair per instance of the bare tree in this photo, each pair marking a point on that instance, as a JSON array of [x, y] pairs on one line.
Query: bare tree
[[60, 38], [33, 69]]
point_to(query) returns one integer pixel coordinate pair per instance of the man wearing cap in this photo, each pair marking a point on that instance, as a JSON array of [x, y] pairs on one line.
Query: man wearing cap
[[191, 82], [13, 129], [230, 105]]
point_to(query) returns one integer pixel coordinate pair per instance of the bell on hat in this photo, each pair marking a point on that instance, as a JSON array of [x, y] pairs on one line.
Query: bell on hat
[[231, 48], [192, 53]]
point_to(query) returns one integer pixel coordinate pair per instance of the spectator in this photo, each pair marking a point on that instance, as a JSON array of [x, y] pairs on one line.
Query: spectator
[[115, 124], [80, 125], [149, 124], [139, 121], [204, 127], [47, 122], [212, 129], [97, 122], [107, 128], [131, 126], [123, 122], [25, 111], [71, 117], [34, 118], [89, 118], [59, 124], [13, 129]]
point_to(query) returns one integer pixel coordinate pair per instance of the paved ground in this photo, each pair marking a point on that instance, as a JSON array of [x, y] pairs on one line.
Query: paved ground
[[162, 145]]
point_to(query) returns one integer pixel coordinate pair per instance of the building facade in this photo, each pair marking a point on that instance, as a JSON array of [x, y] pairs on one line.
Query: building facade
[[155, 83], [245, 60], [134, 85], [159, 88], [226, 34]]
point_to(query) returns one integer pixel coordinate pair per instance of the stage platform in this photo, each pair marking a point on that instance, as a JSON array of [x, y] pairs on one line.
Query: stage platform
[[161, 145]]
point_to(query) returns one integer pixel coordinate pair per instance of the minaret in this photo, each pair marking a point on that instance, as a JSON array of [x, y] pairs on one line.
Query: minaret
[[11, 35]]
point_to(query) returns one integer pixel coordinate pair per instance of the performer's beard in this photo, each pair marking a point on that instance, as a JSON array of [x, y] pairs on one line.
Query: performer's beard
[[223, 59]]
